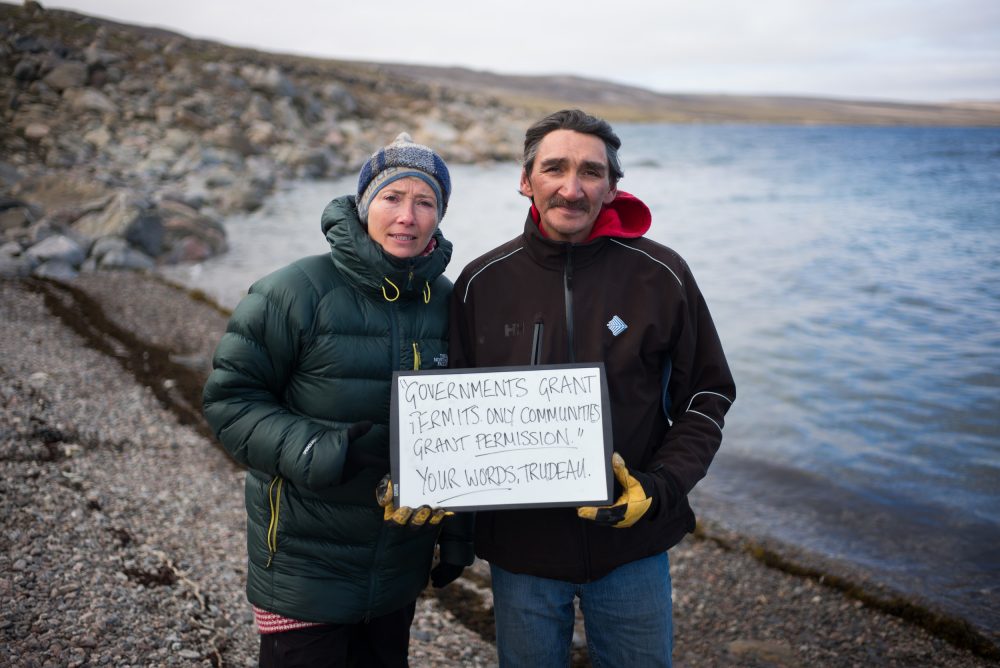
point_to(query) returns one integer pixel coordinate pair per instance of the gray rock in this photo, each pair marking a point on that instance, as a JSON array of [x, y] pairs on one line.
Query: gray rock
[[56, 269], [27, 69], [95, 55], [146, 232], [340, 97], [16, 266], [287, 117], [193, 193], [17, 217], [105, 245], [11, 249], [190, 236], [259, 109], [126, 258], [58, 248], [68, 74], [88, 99], [268, 80], [36, 131], [262, 133], [99, 137]]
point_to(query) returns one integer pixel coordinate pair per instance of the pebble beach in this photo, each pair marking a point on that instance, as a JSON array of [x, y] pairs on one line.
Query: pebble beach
[[123, 519]]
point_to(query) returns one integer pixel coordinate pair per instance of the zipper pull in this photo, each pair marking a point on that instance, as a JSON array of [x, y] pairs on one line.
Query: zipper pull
[[536, 341], [416, 356]]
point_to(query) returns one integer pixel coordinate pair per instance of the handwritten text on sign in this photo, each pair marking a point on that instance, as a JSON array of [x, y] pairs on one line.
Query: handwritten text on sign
[[511, 437]]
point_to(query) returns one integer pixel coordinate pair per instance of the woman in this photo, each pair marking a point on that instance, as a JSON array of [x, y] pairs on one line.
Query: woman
[[300, 395]]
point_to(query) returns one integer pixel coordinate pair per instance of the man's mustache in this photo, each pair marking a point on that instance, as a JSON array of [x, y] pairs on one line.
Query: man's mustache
[[580, 204]]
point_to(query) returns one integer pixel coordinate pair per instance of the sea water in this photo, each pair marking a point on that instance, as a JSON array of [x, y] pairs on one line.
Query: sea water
[[854, 276]]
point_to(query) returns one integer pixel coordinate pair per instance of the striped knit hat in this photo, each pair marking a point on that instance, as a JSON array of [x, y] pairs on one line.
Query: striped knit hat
[[398, 160]]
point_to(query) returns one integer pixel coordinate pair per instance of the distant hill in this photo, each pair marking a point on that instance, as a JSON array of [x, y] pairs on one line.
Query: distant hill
[[622, 102]]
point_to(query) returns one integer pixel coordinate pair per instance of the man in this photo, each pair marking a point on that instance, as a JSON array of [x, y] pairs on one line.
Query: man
[[581, 284]]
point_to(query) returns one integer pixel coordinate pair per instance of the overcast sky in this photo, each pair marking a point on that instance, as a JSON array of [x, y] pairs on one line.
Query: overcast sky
[[917, 50]]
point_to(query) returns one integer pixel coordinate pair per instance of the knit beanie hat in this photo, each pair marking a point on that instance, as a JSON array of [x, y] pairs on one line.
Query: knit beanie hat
[[398, 160]]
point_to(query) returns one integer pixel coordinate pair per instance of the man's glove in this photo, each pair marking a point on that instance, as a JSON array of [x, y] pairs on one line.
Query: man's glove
[[406, 516], [637, 496], [444, 574], [358, 457]]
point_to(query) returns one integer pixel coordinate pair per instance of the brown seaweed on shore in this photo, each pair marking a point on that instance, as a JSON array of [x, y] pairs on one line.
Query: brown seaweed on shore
[[177, 386]]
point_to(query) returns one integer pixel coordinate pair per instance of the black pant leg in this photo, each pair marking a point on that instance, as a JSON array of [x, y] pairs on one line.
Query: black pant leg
[[323, 646], [383, 641]]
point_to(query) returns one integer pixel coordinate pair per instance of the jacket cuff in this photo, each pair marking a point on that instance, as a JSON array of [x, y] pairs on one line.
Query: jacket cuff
[[458, 552]]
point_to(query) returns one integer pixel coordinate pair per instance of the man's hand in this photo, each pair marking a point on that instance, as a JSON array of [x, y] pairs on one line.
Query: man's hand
[[634, 502], [406, 516]]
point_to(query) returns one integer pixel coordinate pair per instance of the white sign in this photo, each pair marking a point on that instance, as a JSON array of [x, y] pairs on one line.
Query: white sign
[[508, 437]]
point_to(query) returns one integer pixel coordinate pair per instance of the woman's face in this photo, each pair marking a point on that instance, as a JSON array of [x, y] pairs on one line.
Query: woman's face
[[403, 216]]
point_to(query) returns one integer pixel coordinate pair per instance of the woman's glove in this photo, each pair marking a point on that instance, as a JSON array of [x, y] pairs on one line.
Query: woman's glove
[[406, 516], [358, 457]]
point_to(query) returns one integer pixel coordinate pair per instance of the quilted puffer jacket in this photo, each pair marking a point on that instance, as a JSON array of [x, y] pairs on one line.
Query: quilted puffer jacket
[[309, 352]]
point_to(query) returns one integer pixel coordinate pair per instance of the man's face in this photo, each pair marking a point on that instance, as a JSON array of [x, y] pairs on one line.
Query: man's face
[[403, 216], [569, 183]]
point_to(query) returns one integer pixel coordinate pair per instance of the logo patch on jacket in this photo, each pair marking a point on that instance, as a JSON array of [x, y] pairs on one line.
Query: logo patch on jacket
[[513, 329], [617, 325], [441, 360]]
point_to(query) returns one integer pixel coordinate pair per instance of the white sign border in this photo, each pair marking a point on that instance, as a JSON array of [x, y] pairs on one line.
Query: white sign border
[[395, 424]]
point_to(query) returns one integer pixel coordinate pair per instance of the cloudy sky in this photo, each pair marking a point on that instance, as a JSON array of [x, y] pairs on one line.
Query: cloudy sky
[[916, 50]]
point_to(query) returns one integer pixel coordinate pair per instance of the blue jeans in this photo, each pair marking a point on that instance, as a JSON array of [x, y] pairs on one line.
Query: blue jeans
[[627, 614]]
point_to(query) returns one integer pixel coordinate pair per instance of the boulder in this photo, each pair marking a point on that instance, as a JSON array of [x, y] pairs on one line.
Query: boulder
[[268, 80], [88, 99], [68, 74], [14, 263], [104, 245], [16, 216], [57, 270], [126, 258], [190, 236], [60, 248], [27, 69], [126, 216]]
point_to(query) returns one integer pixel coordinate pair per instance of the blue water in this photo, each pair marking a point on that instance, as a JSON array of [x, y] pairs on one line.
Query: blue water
[[854, 276]]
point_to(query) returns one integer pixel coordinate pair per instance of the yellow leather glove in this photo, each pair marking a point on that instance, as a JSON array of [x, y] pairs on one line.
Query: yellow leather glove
[[406, 516], [634, 502]]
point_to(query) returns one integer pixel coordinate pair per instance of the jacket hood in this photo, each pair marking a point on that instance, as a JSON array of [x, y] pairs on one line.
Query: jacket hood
[[358, 256], [626, 217]]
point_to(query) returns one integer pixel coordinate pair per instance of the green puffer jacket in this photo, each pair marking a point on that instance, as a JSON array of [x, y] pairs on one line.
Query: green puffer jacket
[[307, 353]]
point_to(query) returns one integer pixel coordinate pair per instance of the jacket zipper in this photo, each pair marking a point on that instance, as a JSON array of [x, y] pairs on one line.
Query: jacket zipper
[[568, 296], [274, 501], [394, 336], [536, 341], [568, 292]]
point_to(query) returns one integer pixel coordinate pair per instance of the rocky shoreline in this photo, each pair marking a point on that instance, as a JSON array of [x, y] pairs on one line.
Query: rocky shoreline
[[123, 518], [124, 147]]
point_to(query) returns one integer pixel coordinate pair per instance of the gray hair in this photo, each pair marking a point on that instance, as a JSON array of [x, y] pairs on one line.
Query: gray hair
[[578, 121]]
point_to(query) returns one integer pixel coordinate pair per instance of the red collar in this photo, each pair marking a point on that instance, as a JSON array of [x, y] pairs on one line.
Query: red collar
[[625, 217]]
